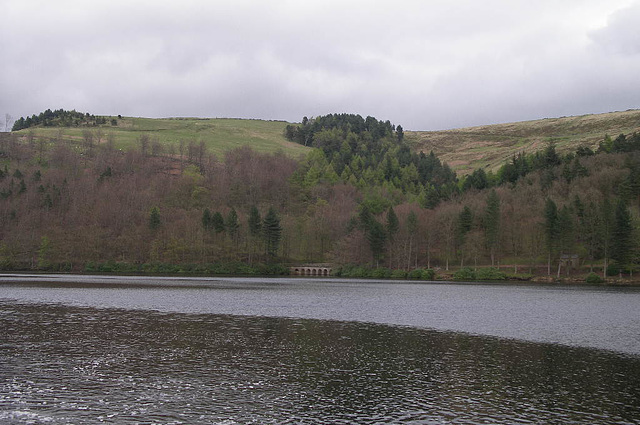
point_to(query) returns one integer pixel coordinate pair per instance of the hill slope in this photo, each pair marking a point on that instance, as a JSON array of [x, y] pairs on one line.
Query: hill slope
[[218, 134], [489, 146]]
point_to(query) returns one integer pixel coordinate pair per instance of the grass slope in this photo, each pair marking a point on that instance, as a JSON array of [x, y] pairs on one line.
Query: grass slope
[[219, 134], [489, 146]]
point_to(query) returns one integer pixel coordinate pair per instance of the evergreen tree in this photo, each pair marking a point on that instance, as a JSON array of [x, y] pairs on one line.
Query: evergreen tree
[[207, 219], [565, 230], [590, 225], [550, 229], [232, 224], [492, 223], [154, 218], [465, 220], [254, 221], [217, 222], [393, 225], [377, 237], [412, 228], [365, 217], [464, 224], [622, 247], [606, 230], [272, 232]]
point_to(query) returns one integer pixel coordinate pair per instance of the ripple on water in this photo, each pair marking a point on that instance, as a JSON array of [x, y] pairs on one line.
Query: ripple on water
[[68, 364]]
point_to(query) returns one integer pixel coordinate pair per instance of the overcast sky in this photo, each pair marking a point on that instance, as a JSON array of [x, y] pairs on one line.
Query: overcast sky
[[426, 65]]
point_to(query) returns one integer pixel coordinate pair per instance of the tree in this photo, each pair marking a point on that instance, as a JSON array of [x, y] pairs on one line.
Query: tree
[[392, 227], [44, 252], [550, 229], [272, 232], [232, 224], [154, 218], [492, 223], [412, 228], [400, 133], [606, 231], [565, 231], [254, 223], [465, 222], [207, 219], [377, 237], [217, 222], [622, 246]]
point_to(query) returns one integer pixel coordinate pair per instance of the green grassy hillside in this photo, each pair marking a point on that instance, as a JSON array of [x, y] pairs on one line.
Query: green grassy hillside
[[489, 146], [218, 134], [464, 149]]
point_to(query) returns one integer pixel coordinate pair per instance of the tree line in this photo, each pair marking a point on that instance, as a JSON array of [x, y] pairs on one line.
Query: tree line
[[60, 118], [71, 205]]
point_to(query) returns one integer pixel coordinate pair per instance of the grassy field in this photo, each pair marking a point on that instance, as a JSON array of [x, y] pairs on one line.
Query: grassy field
[[464, 149], [489, 146], [218, 134]]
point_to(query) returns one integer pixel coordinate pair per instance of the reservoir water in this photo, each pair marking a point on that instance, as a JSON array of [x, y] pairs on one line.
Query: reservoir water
[[270, 351]]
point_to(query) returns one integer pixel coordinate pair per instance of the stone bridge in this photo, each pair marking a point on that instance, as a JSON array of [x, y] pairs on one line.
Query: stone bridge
[[310, 271]]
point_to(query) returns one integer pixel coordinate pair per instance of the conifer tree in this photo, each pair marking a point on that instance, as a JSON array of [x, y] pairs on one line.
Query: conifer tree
[[232, 224], [393, 225], [606, 231], [272, 232], [154, 218], [207, 219], [217, 222], [465, 222], [254, 221], [412, 228], [377, 237], [622, 246], [492, 223], [550, 230]]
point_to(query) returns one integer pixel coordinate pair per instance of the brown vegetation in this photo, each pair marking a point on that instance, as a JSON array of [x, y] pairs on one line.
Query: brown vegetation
[[489, 146]]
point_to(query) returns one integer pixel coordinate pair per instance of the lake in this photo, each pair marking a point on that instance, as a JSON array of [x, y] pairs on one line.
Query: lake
[[123, 350]]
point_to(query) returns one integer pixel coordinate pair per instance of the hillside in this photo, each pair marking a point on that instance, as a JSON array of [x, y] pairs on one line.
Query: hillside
[[489, 146], [85, 206], [218, 134]]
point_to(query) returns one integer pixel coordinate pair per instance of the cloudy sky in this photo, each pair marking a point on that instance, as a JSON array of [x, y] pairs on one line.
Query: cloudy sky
[[427, 65]]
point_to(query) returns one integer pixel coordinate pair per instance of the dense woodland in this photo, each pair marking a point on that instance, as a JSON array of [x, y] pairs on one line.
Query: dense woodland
[[60, 118], [361, 198]]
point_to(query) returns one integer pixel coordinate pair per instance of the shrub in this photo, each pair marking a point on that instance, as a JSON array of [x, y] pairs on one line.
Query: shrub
[[399, 274], [490, 273], [428, 274], [380, 273], [464, 274], [415, 274], [422, 274], [355, 272], [613, 270], [594, 278]]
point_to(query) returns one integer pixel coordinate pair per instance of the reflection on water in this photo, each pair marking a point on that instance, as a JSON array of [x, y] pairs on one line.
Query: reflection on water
[[605, 318], [62, 364]]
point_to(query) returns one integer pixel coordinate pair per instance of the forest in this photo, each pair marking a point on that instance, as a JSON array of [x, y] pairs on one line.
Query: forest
[[362, 200]]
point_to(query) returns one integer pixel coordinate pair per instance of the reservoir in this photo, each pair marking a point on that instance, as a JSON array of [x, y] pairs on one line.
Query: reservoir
[[127, 350]]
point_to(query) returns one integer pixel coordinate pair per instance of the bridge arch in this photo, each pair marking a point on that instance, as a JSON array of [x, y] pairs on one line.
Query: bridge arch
[[310, 271]]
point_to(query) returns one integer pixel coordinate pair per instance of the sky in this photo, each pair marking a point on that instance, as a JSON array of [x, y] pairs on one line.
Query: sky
[[426, 65]]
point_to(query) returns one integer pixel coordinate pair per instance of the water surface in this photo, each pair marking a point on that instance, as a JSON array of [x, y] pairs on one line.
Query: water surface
[[294, 351]]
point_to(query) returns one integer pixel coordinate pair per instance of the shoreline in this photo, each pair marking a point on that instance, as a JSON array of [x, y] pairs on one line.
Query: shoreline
[[197, 280]]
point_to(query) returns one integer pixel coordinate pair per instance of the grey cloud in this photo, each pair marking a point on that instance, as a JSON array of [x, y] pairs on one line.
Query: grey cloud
[[621, 35], [425, 65]]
